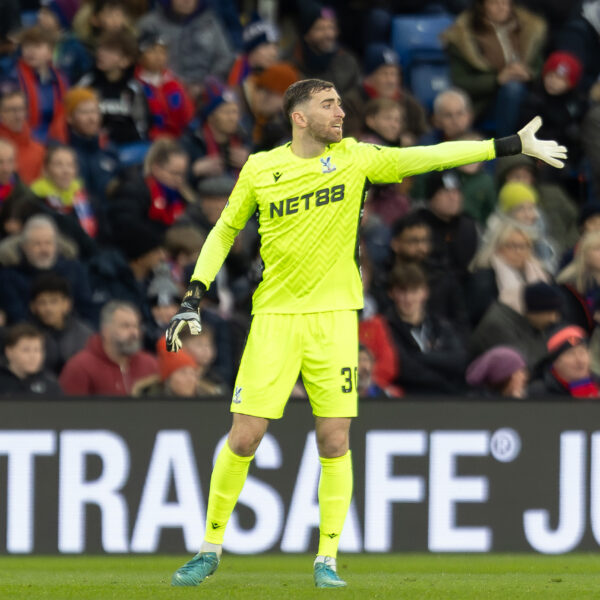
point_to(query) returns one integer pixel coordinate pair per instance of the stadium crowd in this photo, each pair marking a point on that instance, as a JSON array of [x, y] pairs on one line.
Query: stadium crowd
[[125, 123]]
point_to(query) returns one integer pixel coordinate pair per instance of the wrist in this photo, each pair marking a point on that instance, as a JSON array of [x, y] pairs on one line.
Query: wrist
[[508, 146], [193, 295]]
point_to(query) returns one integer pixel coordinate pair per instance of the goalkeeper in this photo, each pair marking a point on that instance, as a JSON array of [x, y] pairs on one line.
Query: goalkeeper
[[309, 195]]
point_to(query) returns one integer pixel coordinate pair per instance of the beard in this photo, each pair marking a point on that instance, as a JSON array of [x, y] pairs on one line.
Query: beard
[[128, 347], [324, 134]]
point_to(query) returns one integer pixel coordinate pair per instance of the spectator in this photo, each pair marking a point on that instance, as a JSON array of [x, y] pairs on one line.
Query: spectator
[[37, 252], [270, 127], [123, 105], [590, 138], [260, 51], [367, 388], [565, 370], [502, 325], [182, 245], [216, 144], [495, 50], [112, 360], [499, 371], [196, 39], [557, 98], [63, 191], [432, 355], [100, 16], [453, 233], [560, 212], [203, 349], [452, 117], [96, 158], [502, 267], [14, 127], [518, 205], [383, 79], [22, 370], [43, 86], [157, 200], [580, 282], [71, 56], [51, 305], [171, 109], [318, 53]]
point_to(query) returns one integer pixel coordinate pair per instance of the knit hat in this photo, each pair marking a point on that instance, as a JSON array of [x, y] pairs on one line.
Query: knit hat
[[438, 180], [377, 55], [215, 94], [562, 338], [494, 366], [541, 297], [259, 32], [312, 11], [277, 78], [169, 362], [76, 96], [564, 64], [588, 210], [137, 240], [149, 39], [515, 193]]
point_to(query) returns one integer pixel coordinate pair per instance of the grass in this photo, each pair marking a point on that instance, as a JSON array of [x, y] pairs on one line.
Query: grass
[[287, 577]]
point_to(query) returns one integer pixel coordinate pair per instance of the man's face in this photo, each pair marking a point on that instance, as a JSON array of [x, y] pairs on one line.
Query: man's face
[[454, 118], [86, 118], [62, 169], [212, 207], [446, 203], [13, 112], [201, 347], [111, 59], [38, 55], [51, 308], [410, 301], [26, 356], [183, 382], [173, 173], [7, 163], [264, 55], [324, 116], [515, 250], [543, 319], [40, 247], [414, 243], [385, 80], [111, 18], [388, 123], [573, 364], [322, 36], [225, 118], [365, 368], [123, 332], [164, 313], [184, 7]]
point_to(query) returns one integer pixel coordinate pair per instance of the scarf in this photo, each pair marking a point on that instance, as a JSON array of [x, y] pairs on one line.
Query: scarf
[[582, 388], [166, 204], [6, 189]]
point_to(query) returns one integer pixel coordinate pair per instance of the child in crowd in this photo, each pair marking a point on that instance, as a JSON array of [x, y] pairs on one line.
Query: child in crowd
[[63, 191], [171, 109], [123, 105], [43, 85], [203, 349], [51, 304], [22, 372]]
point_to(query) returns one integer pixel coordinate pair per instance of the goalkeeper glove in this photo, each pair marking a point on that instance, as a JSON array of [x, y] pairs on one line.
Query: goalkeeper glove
[[188, 314], [547, 150]]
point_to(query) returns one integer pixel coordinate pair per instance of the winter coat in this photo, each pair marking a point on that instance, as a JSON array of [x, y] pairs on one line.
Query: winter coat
[[374, 334], [38, 384], [198, 44], [30, 153], [92, 372], [576, 308], [501, 325], [474, 69]]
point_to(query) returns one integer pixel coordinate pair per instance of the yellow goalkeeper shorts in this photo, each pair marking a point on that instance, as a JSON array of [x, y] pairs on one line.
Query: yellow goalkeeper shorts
[[323, 347]]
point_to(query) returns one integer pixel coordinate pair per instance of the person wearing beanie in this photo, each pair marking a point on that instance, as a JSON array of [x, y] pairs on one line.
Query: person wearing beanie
[[14, 127], [216, 142], [171, 109], [500, 370], [503, 325], [71, 56], [565, 370]]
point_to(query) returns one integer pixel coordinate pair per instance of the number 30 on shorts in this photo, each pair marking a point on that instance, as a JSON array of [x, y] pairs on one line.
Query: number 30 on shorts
[[349, 382]]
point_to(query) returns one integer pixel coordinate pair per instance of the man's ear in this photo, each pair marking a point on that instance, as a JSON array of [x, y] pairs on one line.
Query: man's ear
[[299, 119]]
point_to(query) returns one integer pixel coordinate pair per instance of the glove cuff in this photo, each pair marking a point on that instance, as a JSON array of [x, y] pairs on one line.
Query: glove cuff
[[508, 146], [193, 295]]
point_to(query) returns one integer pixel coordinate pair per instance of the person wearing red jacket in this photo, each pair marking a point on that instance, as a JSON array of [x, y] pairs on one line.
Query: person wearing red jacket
[[112, 360]]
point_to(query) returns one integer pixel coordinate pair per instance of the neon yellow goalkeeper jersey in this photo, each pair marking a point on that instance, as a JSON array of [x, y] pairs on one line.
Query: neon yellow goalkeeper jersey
[[309, 214]]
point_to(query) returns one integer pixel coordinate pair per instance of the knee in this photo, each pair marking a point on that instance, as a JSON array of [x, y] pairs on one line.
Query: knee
[[333, 444], [243, 442]]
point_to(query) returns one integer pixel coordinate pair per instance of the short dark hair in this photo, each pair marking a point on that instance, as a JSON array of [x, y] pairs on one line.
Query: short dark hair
[[21, 331], [408, 221], [301, 91], [123, 41], [37, 35], [377, 105], [161, 151], [50, 282], [54, 148], [99, 5], [407, 277]]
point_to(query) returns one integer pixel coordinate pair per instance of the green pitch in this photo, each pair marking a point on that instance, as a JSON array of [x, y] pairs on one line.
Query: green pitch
[[267, 577]]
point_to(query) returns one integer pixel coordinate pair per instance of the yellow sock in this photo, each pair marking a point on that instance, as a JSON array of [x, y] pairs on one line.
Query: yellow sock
[[335, 493], [226, 483]]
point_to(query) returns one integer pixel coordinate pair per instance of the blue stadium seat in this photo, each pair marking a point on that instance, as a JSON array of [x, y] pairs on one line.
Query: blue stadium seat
[[424, 63], [133, 154]]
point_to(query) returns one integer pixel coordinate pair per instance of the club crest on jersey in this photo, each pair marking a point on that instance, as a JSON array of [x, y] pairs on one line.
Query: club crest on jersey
[[327, 166], [237, 395]]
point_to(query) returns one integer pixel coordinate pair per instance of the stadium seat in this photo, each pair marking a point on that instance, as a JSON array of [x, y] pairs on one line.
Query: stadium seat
[[133, 154], [424, 63]]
